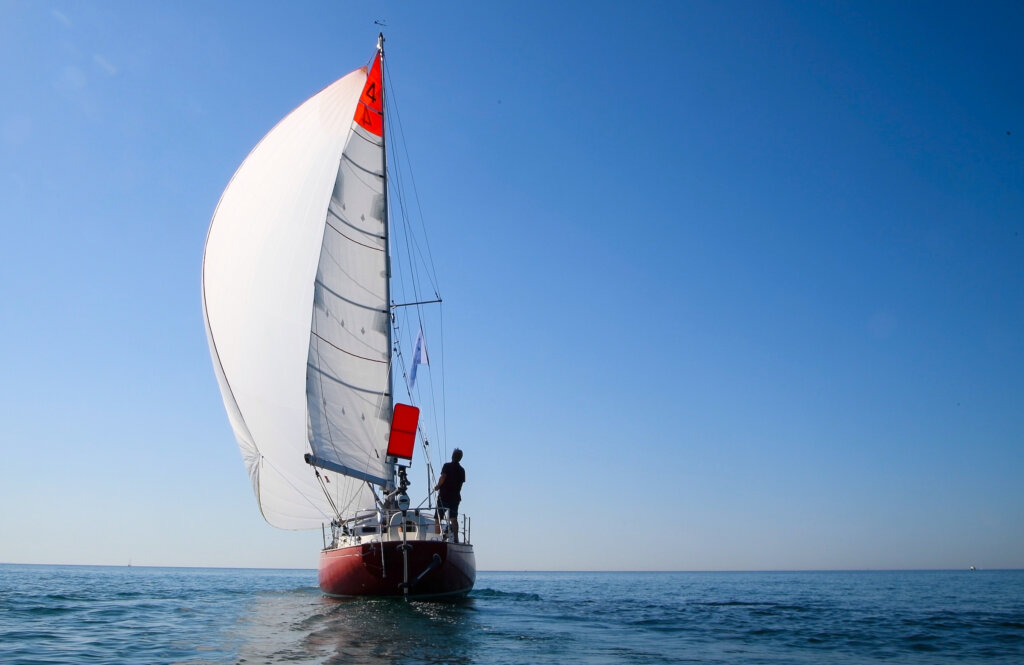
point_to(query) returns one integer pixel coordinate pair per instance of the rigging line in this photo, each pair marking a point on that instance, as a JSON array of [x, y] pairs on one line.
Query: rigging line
[[405, 317], [416, 195], [407, 237], [330, 500], [353, 496], [418, 309], [409, 255], [433, 402], [433, 406], [419, 427], [376, 499], [427, 344], [413, 250], [401, 359], [396, 316], [411, 288], [406, 368], [412, 246], [399, 275], [288, 480], [444, 399], [431, 476]]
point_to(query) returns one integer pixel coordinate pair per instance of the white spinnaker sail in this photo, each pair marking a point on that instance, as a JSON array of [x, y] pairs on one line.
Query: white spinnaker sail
[[259, 268]]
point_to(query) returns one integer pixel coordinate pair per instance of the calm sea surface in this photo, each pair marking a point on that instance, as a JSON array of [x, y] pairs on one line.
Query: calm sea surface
[[81, 614]]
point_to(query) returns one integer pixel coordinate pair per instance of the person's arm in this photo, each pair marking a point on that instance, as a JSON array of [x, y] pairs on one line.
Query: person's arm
[[440, 481]]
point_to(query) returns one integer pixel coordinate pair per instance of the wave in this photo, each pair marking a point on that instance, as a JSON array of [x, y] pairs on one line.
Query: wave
[[510, 595]]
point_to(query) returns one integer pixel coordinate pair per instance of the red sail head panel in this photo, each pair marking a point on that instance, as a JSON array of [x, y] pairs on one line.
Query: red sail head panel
[[403, 431], [370, 110]]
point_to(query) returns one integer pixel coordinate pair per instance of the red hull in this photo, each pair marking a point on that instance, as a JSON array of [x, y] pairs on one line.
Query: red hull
[[361, 570]]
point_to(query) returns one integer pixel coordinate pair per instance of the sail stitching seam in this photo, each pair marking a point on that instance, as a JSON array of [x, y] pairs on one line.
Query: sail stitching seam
[[379, 176], [352, 240], [352, 226], [351, 302], [323, 373], [354, 355], [358, 130]]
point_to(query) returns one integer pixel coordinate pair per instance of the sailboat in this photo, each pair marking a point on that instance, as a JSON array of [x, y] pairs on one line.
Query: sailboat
[[303, 330]]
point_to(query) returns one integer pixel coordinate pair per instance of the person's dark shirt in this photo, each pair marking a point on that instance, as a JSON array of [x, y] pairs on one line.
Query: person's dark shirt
[[454, 476]]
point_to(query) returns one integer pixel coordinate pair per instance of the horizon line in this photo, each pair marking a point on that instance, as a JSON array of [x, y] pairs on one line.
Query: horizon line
[[529, 570]]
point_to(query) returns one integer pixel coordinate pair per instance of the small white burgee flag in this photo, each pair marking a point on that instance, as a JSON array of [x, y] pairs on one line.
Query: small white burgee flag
[[419, 357]]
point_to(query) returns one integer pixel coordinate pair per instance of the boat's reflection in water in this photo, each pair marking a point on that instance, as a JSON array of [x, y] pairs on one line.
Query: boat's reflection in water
[[303, 626]]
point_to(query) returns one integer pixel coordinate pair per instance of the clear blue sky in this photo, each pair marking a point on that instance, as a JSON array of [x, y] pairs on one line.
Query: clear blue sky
[[728, 285]]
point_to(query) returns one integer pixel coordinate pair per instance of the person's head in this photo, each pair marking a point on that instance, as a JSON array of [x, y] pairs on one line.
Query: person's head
[[456, 455]]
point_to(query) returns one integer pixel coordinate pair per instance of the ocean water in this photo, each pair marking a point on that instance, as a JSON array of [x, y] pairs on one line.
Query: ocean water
[[82, 614]]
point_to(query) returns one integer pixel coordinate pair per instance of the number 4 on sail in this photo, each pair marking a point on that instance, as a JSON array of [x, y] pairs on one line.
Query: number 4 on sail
[[305, 337]]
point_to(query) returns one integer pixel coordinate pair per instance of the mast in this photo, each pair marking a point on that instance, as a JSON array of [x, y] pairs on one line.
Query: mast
[[387, 256]]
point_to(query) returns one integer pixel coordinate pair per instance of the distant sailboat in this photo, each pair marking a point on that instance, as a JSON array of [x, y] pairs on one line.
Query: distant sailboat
[[297, 300]]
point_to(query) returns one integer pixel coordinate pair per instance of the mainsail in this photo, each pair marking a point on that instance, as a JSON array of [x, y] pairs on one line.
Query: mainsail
[[295, 299], [347, 384]]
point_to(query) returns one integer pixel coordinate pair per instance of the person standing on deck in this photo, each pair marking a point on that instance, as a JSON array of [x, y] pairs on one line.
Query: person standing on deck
[[449, 489]]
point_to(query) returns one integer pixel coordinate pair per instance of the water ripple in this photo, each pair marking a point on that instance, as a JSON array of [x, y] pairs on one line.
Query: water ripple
[[120, 616]]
